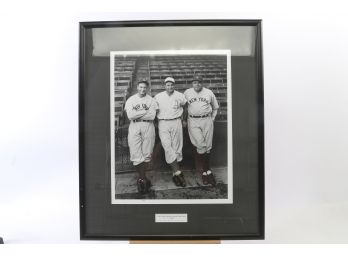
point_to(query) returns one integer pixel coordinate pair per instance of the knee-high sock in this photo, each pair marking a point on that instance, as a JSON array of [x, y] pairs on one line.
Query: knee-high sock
[[202, 162], [174, 165], [140, 168], [207, 160]]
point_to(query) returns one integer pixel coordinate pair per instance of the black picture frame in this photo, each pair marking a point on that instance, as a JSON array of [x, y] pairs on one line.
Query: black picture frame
[[100, 220]]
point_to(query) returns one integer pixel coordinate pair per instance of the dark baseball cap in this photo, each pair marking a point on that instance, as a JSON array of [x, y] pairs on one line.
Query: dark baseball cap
[[197, 78], [143, 80]]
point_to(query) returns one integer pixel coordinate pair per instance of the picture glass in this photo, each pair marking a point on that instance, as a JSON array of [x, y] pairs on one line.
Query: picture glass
[[171, 130]]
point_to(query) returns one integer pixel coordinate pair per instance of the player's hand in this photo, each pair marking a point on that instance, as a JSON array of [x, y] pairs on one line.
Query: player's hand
[[184, 124]]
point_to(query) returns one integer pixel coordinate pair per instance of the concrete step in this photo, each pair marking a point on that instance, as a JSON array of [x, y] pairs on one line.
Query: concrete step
[[162, 180]]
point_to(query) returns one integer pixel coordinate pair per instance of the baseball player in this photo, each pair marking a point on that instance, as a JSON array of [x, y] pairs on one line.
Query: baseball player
[[141, 111], [202, 109], [170, 103]]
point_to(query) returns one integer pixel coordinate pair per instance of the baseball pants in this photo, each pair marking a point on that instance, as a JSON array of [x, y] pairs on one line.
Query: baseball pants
[[141, 140], [201, 133], [170, 133]]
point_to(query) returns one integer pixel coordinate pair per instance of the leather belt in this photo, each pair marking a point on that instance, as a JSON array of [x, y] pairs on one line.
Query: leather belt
[[203, 116], [142, 120], [171, 119]]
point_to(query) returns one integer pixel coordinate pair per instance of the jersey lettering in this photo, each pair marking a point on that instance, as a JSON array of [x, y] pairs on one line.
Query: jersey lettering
[[137, 107], [198, 99], [201, 103]]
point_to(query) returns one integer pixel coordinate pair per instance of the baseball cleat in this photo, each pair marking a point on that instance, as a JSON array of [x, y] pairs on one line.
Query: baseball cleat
[[141, 186], [179, 180], [211, 179], [182, 180], [176, 180]]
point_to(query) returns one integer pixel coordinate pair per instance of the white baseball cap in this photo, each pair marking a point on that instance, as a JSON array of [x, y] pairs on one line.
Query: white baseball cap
[[169, 79]]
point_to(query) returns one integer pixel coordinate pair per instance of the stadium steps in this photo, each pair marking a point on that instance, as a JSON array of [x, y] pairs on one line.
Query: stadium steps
[[141, 71]]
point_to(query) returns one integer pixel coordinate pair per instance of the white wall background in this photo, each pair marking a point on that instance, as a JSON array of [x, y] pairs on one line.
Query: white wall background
[[306, 120]]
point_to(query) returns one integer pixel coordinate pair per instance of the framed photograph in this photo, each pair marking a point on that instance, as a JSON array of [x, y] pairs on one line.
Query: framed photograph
[[171, 130]]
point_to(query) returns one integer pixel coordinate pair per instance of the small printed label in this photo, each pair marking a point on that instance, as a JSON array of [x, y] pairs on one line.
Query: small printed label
[[178, 217]]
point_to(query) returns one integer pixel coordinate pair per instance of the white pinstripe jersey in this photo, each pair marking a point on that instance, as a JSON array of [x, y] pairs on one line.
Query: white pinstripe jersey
[[136, 104], [170, 106], [201, 103]]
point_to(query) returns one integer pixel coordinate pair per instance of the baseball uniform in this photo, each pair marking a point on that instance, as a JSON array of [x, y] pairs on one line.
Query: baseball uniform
[[169, 124], [141, 111], [202, 109]]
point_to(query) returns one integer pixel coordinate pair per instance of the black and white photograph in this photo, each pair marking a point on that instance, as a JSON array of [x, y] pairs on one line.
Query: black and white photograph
[[171, 127]]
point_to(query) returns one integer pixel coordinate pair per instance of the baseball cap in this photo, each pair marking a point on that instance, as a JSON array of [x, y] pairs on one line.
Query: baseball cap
[[196, 78], [143, 80], [169, 79]]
